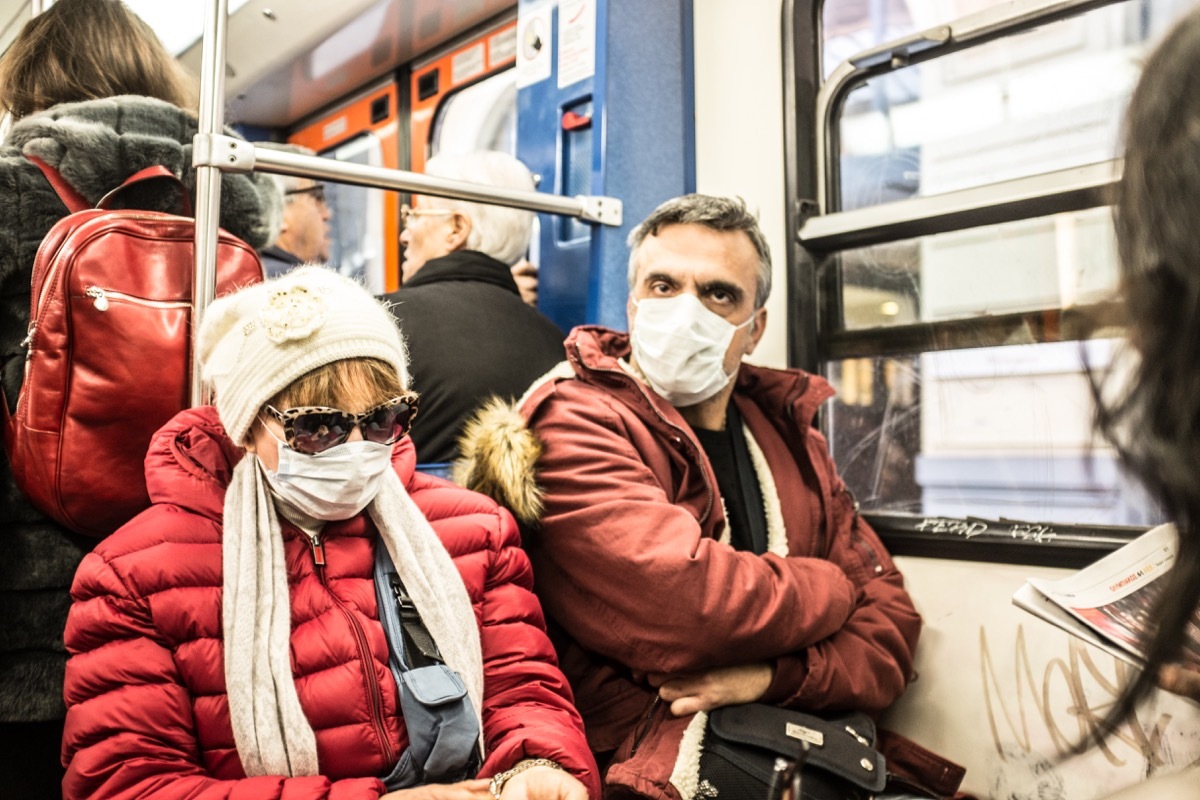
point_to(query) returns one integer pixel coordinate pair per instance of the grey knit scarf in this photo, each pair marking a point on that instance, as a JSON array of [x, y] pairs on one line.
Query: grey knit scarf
[[272, 734]]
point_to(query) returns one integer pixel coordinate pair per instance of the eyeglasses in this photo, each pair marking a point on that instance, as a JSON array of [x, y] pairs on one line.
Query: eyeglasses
[[317, 190], [407, 211], [315, 429]]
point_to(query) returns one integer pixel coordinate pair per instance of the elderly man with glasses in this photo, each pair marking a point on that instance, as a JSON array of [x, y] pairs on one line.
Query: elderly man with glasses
[[470, 335]]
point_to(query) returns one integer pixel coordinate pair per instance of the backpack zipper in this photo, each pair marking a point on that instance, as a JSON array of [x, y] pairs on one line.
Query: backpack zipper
[[100, 299]]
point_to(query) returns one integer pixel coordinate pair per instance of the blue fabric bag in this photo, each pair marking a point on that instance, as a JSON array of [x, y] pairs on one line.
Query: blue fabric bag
[[443, 731]]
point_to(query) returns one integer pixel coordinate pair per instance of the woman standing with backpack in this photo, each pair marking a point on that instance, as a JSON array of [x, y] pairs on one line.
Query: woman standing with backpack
[[92, 92]]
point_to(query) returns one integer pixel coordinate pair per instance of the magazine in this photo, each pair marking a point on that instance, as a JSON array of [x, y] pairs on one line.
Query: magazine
[[1108, 603]]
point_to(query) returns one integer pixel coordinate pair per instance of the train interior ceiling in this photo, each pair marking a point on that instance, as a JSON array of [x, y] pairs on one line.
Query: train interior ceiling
[[910, 268]]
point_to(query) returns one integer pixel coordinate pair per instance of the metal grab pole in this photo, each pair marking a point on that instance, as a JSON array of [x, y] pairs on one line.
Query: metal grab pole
[[208, 179], [604, 210], [230, 154]]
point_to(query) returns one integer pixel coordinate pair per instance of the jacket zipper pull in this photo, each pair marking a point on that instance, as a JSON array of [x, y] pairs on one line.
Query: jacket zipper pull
[[28, 340], [98, 298], [318, 550]]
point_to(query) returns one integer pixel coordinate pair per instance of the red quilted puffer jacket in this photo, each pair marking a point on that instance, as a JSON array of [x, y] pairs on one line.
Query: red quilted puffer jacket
[[145, 687]]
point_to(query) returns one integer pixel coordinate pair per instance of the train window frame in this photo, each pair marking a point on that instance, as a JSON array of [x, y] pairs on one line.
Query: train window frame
[[818, 232]]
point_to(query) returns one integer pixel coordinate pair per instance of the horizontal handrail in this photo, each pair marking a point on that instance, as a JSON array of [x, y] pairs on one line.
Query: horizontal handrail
[[1070, 189], [230, 154]]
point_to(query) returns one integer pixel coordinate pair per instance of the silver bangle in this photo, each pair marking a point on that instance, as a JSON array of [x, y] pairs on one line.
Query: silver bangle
[[498, 781]]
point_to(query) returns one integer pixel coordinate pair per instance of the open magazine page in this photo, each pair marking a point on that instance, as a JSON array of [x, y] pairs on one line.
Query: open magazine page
[[1115, 596]]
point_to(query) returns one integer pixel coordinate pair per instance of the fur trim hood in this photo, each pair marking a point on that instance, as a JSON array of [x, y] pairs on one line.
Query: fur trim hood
[[96, 144], [498, 456]]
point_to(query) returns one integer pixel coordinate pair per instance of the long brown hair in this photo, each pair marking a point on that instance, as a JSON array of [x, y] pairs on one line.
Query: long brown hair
[[1153, 416], [86, 50]]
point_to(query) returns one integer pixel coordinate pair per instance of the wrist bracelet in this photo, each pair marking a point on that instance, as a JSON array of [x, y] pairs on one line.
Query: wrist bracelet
[[498, 781]]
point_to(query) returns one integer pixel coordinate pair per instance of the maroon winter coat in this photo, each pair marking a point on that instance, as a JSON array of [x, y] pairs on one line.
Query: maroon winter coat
[[145, 688], [630, 567]]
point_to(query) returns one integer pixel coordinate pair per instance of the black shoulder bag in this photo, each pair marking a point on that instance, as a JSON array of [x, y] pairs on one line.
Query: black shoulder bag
[[742, 745]]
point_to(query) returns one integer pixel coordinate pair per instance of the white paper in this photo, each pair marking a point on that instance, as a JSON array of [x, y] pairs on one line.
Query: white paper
[[576, 41]]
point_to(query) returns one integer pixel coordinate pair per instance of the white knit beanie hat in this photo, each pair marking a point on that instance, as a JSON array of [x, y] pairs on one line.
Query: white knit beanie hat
[[254, 343]]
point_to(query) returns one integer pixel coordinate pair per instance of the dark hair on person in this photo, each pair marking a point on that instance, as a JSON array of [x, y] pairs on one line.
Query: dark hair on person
[[718, 213], [1152, 416], [87, 50]]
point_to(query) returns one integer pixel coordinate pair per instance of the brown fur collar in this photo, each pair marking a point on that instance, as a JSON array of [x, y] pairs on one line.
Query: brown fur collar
[[498, 457]]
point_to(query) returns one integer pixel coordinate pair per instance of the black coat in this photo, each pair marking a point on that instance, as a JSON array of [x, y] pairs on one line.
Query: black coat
[[470, 336], [276, 261], [94, 145]]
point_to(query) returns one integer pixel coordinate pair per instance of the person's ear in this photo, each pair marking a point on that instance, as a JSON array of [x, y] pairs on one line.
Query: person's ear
[[757, 328], [460, 230]]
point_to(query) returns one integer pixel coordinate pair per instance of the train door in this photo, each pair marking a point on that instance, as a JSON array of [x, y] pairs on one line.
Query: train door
[[605, 106], [953, 275]]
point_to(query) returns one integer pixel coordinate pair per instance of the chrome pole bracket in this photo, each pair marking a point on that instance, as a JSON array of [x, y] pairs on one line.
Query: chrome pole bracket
[[226, 153], [604, 210]]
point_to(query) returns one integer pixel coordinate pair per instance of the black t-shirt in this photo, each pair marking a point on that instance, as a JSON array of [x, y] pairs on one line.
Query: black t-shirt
[[737, 483]]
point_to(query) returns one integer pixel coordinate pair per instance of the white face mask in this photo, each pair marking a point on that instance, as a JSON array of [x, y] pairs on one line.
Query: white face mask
[[333, 485], [679, 345]]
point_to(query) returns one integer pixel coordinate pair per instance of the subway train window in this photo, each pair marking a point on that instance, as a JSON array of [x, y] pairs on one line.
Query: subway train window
[[1047, 262], [963, 260], [995, 432], [483, 116], [1017, 106], [356, 229]]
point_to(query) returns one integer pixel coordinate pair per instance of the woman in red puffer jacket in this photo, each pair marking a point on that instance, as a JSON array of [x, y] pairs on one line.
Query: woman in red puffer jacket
[[227, 641]]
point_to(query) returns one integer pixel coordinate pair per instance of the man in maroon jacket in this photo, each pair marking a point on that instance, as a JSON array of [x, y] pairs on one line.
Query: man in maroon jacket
[[692, 542]]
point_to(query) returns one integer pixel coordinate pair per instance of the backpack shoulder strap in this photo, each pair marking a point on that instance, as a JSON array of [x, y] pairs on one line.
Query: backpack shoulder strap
[[74, 201], [67, 193]]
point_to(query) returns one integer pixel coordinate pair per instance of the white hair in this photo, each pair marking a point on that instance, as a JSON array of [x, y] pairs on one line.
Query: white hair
[[498, 231]]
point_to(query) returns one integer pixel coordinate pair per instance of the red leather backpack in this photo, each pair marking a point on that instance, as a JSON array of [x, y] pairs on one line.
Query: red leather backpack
[[109, 351]]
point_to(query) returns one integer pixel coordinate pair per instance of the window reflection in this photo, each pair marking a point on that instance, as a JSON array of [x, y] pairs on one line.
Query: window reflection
[[1059, 261], [356, 226], [1048, 99], [1001, 432]]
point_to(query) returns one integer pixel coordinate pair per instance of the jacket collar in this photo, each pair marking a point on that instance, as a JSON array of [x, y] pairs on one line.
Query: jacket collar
[[97, 144], [595, 354], [191, 461], [500, 451], [464, 265], [277, 252]]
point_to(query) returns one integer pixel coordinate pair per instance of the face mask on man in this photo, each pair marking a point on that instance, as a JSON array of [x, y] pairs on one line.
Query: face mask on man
[[679, 345], [332, 485]]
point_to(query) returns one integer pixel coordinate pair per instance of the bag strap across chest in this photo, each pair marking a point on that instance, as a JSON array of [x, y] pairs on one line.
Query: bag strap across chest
[[443, 730]]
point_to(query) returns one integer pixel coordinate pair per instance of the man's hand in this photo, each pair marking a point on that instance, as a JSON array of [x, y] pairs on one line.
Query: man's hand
[[465, 790], [544, 783], [1181, 680], [526, 276], [704, 691]]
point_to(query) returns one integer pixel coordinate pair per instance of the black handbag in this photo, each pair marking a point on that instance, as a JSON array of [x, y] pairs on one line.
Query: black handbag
[[742, 745]]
